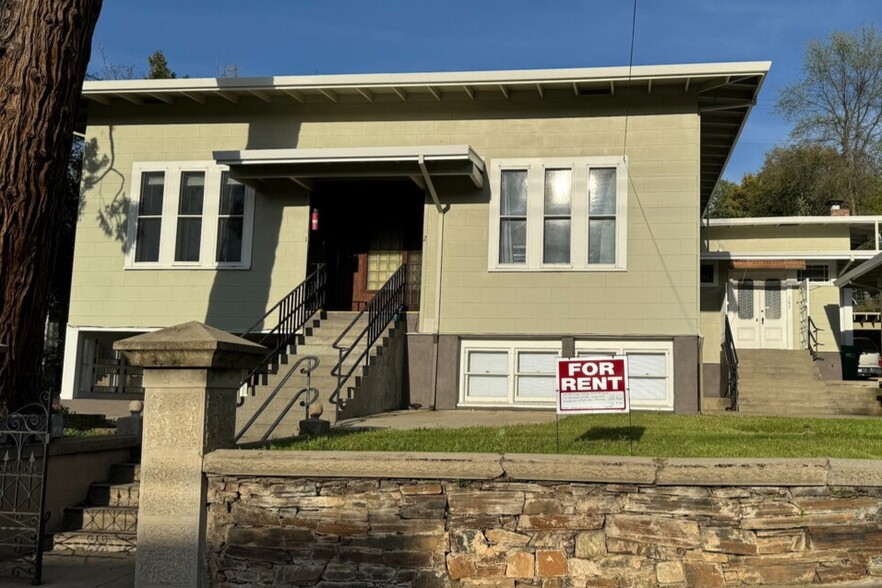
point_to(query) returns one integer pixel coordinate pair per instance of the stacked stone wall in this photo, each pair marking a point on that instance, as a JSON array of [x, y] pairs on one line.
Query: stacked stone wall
[[503, 530]]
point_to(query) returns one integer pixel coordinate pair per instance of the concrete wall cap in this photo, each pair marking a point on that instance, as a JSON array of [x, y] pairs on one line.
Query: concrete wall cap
[[855, 472], [354, 464], [580, 468], [190, 345], [742, 472]]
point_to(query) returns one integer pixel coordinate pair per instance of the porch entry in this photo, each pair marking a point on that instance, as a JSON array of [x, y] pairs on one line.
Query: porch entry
[[759, 312], [365, 230]]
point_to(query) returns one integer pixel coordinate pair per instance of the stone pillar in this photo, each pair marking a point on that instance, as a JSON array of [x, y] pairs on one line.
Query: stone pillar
[[191, 378]]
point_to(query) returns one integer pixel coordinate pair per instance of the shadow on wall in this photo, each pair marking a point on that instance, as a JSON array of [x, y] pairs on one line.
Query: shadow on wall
[[832, 312], [112, 214], [238, 298]]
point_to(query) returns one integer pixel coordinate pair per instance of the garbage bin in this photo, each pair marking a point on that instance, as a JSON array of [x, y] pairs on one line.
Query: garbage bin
[[851, 357]]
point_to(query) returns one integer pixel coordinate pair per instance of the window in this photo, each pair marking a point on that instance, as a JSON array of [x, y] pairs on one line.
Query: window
[[149, 216], [189, 235], [708, 274], [814, 273], [189, 215], [650, 369], [504, 373], [231, 220], [558, 214]]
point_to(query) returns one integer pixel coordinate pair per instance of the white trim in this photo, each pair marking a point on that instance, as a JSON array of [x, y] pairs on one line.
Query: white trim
[[479, 79], [168, 229], [512, 348], [535, 168], [350, 154], [777, 221], [716, 280], [633, 348]]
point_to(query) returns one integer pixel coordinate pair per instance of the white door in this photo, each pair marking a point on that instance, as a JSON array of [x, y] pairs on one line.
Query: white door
[[758, 312]]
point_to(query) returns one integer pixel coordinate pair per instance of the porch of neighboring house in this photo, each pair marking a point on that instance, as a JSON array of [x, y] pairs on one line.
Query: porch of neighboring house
[[784, 326]]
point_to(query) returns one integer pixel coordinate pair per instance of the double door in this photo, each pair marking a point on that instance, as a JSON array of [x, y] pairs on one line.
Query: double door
[[759, 312]]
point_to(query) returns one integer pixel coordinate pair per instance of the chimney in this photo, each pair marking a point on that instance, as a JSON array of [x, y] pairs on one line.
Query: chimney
[[836, 208]]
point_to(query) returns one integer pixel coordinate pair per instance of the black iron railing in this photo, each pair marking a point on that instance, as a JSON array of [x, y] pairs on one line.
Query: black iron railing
[[310, 393], [291, 312], [383, 308], [813, 343], [731, 355], [24, 445]]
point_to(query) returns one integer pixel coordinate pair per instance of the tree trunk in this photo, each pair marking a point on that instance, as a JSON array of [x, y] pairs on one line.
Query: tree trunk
[[44, 52]]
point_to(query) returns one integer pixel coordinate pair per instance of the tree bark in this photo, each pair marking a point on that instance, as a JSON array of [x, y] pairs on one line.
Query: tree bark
[[44, 52]]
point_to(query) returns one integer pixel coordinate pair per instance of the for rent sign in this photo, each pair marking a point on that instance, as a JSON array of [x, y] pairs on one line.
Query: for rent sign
[[586, 386]]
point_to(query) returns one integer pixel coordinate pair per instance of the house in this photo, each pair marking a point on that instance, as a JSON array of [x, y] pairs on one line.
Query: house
[[539, 213], [775, 282]]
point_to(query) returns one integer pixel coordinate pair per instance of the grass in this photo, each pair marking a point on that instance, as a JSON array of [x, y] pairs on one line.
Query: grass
[[652, 435]]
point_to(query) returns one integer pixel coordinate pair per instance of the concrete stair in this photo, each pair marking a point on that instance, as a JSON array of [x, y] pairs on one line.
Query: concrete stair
[[788, 383], [317, 340], [108, 521]]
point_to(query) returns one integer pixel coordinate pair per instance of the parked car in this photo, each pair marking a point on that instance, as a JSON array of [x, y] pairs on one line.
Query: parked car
[[870, 363]]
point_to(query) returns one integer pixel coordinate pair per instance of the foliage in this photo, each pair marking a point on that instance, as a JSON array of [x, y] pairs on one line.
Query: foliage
[[652, 434], [838, 104], [108, 70], [158, 67]]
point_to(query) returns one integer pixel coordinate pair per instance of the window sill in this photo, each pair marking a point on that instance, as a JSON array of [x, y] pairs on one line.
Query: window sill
[[558, 269], [142, 267]]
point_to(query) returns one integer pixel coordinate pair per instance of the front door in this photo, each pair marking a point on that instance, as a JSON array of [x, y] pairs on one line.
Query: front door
[[758, 312]]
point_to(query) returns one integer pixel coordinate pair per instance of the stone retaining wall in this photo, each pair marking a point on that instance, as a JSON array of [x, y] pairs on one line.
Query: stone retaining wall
[[360, 519]]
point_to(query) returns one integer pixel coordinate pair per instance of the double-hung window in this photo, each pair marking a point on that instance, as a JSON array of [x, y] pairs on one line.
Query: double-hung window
[[189, 215], [558, 214]]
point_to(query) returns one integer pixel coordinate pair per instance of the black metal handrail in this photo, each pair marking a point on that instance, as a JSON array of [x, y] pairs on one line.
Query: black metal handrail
[[383, 308], [812, 339], [311, 393], [731, 365], [294, 310]]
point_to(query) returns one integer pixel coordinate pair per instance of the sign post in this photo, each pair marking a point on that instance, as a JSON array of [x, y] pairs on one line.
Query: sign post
[[592, 386]]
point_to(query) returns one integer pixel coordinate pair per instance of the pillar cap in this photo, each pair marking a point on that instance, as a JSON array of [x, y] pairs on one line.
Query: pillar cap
[[190, 345]]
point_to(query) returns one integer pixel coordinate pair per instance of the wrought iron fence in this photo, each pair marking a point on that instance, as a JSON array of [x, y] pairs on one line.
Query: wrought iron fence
[[731, 365], [24, 455]]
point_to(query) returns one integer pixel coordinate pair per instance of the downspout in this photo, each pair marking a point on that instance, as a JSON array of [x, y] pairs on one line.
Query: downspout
[[439, 248]]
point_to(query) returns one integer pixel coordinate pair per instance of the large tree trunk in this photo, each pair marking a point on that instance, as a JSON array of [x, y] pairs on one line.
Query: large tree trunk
[[44, 52]]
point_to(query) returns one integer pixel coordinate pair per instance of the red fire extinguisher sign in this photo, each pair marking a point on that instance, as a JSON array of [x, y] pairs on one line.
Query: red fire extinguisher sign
[[314, 219]]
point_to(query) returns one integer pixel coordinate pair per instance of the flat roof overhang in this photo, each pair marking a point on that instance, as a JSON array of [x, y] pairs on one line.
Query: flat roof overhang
[[725, 93], [304, 166], [866, 275]]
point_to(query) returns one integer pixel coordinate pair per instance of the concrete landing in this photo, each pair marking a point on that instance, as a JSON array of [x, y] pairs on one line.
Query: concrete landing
[[83, 571]]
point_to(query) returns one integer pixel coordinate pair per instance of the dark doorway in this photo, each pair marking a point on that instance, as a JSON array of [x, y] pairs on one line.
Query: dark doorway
[[366, 230]]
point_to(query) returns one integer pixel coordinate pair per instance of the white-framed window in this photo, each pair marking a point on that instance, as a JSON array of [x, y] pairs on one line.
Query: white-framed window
[[550, 214], [819, 272], [508, 373], [708, 274], [650, 369], [189, 215]]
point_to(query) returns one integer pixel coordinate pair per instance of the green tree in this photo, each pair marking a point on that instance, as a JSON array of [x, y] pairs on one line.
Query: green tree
[[46, 47], [838, 104], [159, 69]]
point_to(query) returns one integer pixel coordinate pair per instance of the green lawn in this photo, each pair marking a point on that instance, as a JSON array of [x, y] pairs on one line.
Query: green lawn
[[654, 435]]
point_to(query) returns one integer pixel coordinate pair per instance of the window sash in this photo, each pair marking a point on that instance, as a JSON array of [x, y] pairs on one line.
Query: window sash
[[191, 200], [554, 233], [230, 222], [149, 230]]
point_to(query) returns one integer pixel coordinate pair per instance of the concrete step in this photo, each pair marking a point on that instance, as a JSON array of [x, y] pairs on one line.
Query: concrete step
[[125, 473], [113, 494], [94, 541], [102, 518]]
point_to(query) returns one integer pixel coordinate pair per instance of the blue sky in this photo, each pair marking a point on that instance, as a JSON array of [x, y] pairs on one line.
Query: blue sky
[[280, 37]]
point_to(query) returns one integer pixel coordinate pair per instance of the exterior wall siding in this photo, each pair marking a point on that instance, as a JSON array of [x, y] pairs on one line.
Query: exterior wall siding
[[771, 239], [657, 295]]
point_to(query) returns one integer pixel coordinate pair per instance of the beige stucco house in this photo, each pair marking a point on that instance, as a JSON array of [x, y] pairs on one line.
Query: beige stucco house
[[545, 213]]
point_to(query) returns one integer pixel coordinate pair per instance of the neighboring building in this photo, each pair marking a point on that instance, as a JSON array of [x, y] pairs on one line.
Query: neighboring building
[[773, 278], [549, 212]]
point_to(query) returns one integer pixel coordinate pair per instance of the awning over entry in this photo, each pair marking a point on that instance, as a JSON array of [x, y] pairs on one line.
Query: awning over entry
[[866, 275], [303, 166]]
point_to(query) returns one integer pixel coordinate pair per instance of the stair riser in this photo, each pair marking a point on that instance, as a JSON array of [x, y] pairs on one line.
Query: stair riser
[[104, 495], [95, 542], [125, 473], [102, 519]]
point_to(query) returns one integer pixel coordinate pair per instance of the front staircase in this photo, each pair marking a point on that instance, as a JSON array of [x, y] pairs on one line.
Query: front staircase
[[317, 339], [108, 520], [788, 383]]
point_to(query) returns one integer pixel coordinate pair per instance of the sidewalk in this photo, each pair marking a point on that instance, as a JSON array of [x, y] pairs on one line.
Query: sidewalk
[[98, 570]]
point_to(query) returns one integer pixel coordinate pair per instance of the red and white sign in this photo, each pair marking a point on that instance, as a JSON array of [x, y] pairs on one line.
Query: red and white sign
[[588, 386]]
